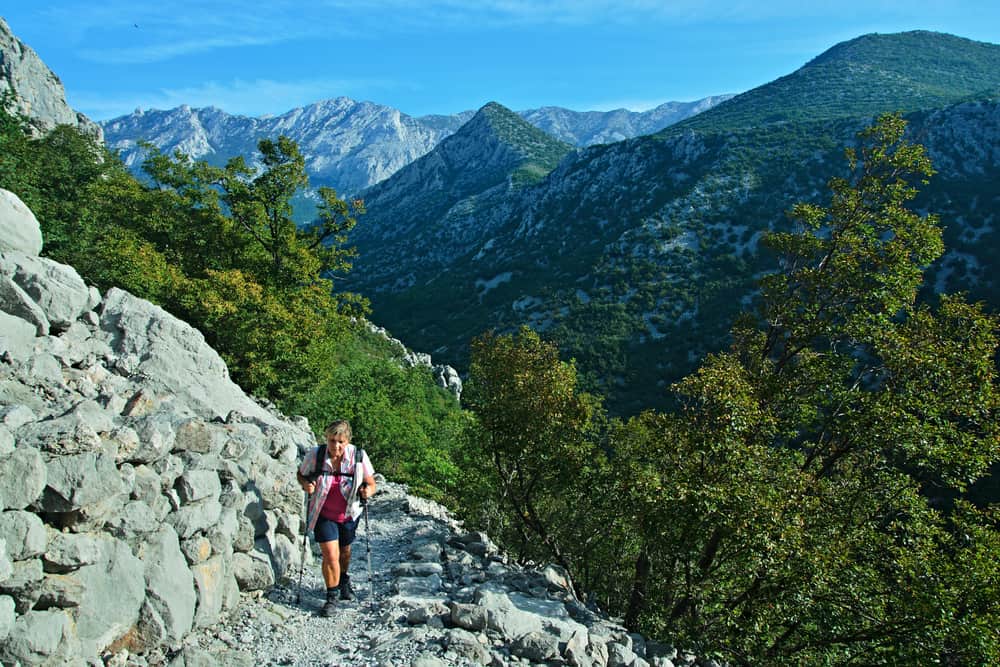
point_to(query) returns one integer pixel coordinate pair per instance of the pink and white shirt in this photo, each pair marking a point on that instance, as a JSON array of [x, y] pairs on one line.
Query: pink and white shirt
[[348, 478]]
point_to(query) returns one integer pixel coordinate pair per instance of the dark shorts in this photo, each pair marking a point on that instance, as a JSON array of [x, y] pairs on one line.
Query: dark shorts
[[328, 531]]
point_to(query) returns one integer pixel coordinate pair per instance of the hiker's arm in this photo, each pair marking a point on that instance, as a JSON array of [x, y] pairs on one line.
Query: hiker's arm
[[306, 485], [367, 489]]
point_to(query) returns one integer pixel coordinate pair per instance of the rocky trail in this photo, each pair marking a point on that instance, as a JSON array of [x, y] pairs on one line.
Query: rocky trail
[[442, 598]]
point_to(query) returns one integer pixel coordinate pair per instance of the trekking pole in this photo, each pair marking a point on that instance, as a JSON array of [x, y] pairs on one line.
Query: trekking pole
[[368, 549], [302, 560]]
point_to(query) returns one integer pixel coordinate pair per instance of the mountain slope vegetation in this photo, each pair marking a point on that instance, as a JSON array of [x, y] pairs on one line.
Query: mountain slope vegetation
[[635, 256], [433, 202], [864, 77], [218, 247]]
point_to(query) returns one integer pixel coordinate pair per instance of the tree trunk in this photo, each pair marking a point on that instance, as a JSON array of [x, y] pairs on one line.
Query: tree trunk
[[640, 587]]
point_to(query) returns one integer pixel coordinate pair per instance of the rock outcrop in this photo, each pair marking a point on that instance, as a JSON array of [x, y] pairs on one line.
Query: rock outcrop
[[444, 375], [138, 484], [38, 92], [348, 145]]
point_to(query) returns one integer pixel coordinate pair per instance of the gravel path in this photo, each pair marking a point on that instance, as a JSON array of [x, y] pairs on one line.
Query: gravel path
[[272, 629], [443, 597]]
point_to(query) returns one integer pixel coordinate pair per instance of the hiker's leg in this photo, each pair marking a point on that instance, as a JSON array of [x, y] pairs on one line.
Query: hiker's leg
[[346, 531], [331, 563], [345, 559], [328, 537]]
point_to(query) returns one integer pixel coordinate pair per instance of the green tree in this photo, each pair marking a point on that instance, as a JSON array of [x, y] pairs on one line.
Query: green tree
[[802, 505], [535, 448], [15, 171], [795, 510], [261, 206]]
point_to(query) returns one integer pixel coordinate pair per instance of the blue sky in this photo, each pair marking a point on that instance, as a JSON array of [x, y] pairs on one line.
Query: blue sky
[[446, 56]]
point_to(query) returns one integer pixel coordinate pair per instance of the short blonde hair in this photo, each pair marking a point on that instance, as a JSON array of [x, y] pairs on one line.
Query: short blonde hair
[[339, 427]]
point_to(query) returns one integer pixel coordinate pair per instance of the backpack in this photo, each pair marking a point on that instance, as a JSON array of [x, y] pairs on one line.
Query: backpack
[[359, 457]]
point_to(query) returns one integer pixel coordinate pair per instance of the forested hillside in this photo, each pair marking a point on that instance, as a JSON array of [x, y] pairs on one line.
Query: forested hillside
[[635, 257]]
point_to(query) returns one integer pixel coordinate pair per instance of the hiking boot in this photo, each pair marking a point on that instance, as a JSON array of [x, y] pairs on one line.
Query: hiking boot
[[346, 592], [330, 606]]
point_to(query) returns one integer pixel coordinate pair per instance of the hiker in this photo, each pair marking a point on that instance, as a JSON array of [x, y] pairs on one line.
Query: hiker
[[335, 489]]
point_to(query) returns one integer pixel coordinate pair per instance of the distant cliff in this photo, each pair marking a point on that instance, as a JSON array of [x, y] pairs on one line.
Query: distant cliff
[[37, 91]]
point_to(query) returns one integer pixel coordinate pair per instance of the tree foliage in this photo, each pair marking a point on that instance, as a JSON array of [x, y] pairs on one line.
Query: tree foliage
[[533, 447], [803, 505]]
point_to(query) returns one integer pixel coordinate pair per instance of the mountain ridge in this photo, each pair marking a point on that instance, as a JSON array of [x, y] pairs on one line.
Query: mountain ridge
[[37, 91], [494, 153], [353, 145], [635, 256], [864, 76]]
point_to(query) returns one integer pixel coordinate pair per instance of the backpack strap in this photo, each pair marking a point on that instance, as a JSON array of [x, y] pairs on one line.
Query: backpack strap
[[320, 460], [358, 473]]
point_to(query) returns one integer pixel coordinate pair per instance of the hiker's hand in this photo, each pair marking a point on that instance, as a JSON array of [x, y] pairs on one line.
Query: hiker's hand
[[363, 491], [309, 487]]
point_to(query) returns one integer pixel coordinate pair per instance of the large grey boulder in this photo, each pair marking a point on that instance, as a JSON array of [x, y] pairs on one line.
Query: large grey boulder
[[80, 481], [172, 357], [67, 552], [253, 571], [196, 485], [25, 534], [57, 288], [19, 228], [80, 429], [23, 476], [114, 589], [16, 335], [195, 517], [39, 637], [17, 303], [169, 584], [211, 580]]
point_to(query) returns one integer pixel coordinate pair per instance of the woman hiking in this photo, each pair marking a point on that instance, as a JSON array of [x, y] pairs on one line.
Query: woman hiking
[[336, 488]]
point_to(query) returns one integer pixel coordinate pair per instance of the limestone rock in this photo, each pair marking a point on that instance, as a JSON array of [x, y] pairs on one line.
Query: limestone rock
[[25, 534], [39, 637], [38, 92], [57, 288], [7, 616], [114, 590], [18, 304], [172, 357], [19, 228], [23, 475], [170, 587], [16, 335], [80, 481], [71, 551], [6, 566], [210, 580], [253, 571], [60, 591]]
